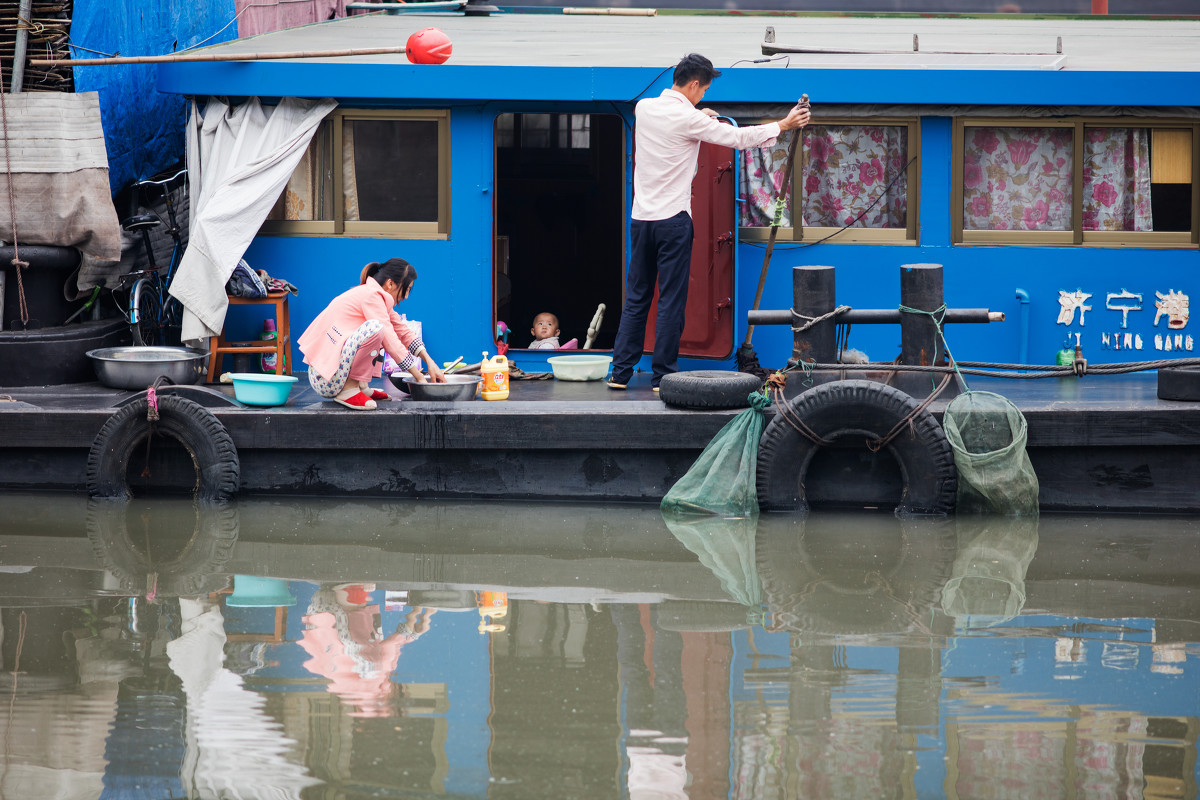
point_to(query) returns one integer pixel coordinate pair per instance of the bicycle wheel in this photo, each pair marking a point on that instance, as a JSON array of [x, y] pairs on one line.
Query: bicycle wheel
[[146, 307]]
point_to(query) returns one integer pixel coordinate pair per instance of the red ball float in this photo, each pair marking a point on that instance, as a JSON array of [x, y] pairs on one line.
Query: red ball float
[[428, 46]]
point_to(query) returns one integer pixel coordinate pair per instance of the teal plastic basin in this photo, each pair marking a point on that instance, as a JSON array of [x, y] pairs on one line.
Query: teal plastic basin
[[254, 389]]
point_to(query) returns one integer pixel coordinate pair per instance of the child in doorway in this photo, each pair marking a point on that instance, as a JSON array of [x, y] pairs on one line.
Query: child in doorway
[[545, 332]]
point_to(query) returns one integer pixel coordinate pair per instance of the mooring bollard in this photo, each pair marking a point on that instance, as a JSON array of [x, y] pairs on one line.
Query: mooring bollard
[[920, 333], [813, 297]]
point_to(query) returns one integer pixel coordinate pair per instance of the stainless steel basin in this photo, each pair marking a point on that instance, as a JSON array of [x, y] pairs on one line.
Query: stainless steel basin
[[139, 367], [456, 387]]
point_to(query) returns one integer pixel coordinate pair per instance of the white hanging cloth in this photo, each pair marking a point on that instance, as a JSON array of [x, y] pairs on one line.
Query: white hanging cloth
[[239, 160]]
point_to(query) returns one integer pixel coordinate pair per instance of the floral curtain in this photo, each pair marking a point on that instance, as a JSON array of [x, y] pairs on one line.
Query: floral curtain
[[303, 198], [845, 168], [1017, 179], [1116, 179], [761, 177]]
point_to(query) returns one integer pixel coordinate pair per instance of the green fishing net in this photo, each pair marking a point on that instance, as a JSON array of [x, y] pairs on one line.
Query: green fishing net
[[987, 583], [988, 435], [721, 481]]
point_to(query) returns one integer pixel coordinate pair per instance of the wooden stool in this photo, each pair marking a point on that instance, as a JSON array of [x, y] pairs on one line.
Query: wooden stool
[[281, 346]]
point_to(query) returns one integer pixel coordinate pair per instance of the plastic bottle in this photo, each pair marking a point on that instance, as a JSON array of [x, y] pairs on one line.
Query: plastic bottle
[[268, 361], [1066, 356], [495, 377]]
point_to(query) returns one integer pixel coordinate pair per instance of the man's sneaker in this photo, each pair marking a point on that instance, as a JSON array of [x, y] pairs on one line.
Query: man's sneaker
[[612, 384]]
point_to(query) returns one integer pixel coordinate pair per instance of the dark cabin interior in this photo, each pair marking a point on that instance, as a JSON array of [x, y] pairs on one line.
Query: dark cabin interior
[[560, 223]]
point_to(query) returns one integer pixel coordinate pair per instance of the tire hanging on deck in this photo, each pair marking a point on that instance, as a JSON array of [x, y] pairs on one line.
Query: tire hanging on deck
[[708, 388], [213, 454], [856, 409]]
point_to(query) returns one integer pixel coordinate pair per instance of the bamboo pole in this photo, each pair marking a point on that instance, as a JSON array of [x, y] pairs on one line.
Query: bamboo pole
[[180, 57]]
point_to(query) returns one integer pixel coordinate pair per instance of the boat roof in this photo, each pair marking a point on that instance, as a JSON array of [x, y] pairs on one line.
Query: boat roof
[[1111, 56]]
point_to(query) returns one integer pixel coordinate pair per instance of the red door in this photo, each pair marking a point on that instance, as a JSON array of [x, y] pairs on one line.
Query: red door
[[708, 318]]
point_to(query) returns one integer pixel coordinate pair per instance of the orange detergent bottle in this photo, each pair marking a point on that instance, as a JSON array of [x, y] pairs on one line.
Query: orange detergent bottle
[[495, 377]]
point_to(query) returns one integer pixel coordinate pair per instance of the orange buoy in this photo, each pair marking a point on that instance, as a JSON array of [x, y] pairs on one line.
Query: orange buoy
[[428, 46]]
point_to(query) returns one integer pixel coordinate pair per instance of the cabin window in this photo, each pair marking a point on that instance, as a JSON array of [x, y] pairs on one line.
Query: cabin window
[[852, 181], [1018, 179], [308, 196], [385, 173], [1075, 182]]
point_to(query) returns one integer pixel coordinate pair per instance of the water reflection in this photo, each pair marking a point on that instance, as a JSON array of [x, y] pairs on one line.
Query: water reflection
[[347, 649]]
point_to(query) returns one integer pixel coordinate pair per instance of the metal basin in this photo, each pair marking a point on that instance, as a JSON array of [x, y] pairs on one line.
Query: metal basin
[[456, 387], [139, 367]]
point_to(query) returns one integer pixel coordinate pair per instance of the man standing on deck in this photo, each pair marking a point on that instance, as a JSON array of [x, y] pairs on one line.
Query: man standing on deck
[[667, 135]]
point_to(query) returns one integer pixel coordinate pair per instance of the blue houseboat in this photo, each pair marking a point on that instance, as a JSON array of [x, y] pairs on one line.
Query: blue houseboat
[[1050, 165]]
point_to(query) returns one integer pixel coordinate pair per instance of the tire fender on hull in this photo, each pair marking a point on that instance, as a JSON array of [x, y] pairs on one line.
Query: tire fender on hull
[[195, 428], [864, 409]]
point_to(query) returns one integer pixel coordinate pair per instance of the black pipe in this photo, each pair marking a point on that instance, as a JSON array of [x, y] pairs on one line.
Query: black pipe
[[875, 316]]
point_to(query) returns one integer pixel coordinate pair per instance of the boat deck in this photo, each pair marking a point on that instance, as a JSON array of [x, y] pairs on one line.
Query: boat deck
[[1097, 443]]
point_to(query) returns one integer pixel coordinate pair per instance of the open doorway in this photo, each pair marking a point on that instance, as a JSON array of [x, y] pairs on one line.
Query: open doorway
[[559, 223]]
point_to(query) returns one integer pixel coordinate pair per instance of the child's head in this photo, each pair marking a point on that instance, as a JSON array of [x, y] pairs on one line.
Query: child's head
[[545, 325]]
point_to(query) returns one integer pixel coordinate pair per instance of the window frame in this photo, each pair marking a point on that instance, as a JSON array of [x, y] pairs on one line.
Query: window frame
[[1077, 236], [339, 225], [908, 235]]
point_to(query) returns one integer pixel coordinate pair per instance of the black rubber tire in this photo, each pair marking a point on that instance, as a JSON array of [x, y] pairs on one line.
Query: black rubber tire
[[214, 456], [197, 569], [864, 409], [1179, 383], [708, 388]]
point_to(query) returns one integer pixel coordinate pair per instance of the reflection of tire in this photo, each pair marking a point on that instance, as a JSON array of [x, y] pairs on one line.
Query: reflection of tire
[[854, 573], [204, 535], [201, 434], [857, 408], [1179, 383], [702, 616], [708, 389]]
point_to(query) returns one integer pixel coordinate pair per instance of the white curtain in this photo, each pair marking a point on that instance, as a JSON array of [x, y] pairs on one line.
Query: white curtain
[[239, 160]]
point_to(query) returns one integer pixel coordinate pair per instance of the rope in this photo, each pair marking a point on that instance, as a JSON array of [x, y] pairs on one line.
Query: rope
[[875, 445], [12, 212], [973, 368], [22, 626], [152, 405], [775, 385], [152, 416], [938, 315], [811, 321]]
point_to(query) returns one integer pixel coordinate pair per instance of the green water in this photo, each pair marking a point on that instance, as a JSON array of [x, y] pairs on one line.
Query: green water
[[354, 649]]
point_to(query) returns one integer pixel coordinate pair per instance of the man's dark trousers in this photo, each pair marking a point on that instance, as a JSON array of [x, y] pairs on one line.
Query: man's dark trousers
[[659, 250]]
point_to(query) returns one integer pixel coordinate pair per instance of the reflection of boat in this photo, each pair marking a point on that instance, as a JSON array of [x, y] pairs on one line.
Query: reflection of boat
[[583, 554], [164, 549], [987, 584], [853, 574]]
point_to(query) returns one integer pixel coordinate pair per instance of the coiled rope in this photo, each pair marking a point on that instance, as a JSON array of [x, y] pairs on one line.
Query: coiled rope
[[12, 211]]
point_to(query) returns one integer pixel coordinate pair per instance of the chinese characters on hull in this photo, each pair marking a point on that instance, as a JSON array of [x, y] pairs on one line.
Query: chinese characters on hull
[[1172, 306]]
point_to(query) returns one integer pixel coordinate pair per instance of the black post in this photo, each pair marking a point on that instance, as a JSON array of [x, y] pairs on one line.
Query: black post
[[920, 289], [812, 297]]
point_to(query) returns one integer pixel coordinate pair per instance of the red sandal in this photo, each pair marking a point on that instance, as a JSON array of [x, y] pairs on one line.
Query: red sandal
[[379, 394], [359, 402]]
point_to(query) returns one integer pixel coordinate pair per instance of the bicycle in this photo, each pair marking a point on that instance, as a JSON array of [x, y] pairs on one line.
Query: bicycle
[[151, 309]]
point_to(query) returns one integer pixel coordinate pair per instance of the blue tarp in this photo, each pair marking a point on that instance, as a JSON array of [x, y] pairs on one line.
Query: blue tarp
[[143, 128]]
